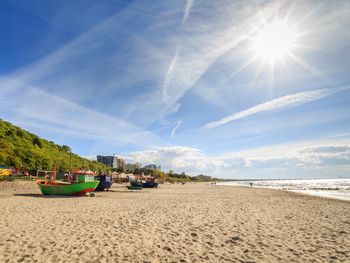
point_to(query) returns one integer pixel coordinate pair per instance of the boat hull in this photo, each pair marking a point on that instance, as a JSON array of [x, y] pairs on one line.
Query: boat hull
[[103, 185], [105, 182], [150, 185], [76, 189]]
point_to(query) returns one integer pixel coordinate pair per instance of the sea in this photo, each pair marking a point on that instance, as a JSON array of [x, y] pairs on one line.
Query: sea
[[329, 188]]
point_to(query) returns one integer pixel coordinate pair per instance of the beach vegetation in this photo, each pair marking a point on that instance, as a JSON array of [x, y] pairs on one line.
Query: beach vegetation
[[27, 151]]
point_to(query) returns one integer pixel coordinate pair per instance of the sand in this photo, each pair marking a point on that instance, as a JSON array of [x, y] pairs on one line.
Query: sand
[[175, 223]]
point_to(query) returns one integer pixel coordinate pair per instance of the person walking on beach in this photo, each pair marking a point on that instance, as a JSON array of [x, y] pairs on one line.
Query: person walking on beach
[[251, 184]]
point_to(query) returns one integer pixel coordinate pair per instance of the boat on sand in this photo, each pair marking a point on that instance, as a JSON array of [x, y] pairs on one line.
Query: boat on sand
[[135, 185], [141, 181], [82, 183], [105, 182], [150, 182]]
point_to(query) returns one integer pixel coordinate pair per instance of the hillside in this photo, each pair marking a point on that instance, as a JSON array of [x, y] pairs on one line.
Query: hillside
[[22, 149]]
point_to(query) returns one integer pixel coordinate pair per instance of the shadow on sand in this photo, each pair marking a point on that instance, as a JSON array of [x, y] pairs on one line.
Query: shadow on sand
[[46, 196], [130, 191]]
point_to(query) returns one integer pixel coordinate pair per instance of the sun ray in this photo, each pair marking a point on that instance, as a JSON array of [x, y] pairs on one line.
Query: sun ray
[[259, 70], [306, 66], [308, 14], [245, 65], [240, 69]]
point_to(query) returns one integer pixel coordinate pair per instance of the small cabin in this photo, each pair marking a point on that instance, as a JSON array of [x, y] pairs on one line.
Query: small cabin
[[82, 178]]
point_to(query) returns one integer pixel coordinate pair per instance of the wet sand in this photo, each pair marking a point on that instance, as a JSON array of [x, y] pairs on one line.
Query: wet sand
[[175, 223]]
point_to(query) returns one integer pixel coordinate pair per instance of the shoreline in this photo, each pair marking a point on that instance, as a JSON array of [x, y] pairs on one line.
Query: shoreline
[[322, 192], [303, 193]]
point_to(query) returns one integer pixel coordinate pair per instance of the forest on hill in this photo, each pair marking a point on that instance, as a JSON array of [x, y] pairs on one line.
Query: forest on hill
[[27, 151]]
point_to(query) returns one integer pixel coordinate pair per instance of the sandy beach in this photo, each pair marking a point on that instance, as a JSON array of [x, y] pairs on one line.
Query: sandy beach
[[175, 223]]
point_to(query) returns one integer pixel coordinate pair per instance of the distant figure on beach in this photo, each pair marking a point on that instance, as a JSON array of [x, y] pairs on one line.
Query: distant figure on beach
[[251, 184]]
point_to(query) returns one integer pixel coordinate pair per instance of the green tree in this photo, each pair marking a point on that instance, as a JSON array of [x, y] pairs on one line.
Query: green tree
[[36, 141], [66, 148]]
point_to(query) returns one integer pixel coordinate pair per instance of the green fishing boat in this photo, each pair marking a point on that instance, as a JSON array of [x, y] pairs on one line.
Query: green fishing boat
[[81, 184]]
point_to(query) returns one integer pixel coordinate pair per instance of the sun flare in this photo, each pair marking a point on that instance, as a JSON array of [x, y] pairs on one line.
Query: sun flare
[[274, 42]]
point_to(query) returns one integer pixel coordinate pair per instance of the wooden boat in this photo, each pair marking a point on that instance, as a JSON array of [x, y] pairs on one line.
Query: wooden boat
[[135, 185], [105, 182], [83, 182], [150, 183]]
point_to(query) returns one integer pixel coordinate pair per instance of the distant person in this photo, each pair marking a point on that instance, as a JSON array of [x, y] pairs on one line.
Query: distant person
[[251, 184]]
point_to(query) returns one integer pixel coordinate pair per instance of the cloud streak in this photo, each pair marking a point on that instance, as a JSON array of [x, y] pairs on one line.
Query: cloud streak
[[214, 33], [287, 101], [175, 128], [34, 107], [187, 10], [168, 74], [120, 78]]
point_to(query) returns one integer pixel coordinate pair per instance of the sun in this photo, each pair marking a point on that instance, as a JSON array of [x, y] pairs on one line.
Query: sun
[[274, 41]]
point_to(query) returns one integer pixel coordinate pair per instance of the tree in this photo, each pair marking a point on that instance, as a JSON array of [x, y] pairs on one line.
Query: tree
[[158, 173], [120, 170], [19, 132], [36, 141], [66, 148], [9, 133], [14, 161]]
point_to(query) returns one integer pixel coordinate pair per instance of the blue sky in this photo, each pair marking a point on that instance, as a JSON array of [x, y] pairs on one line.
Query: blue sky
[[178, 83]]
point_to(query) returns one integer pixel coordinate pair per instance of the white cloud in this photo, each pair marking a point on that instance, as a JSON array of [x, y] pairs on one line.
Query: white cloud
[[315, 159], [176, 156], [327, 149], [287, 101]]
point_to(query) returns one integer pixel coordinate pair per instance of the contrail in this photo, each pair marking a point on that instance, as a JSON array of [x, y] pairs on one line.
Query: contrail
[[187, 11], [287, 101]]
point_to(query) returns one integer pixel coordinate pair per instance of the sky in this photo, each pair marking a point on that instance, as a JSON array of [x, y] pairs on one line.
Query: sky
[[202, 87]]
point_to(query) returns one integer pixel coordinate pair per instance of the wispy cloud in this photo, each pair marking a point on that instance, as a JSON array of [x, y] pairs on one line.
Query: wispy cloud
[[168, 75], [68, 70], [178, 123], [200, 45], [287, 101], [327, 149], [113, 60], [122, 73], [187, 10], [34, 107], [114, 71]]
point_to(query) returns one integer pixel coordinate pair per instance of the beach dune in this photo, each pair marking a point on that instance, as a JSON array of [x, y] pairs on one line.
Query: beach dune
[[175, 223]]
